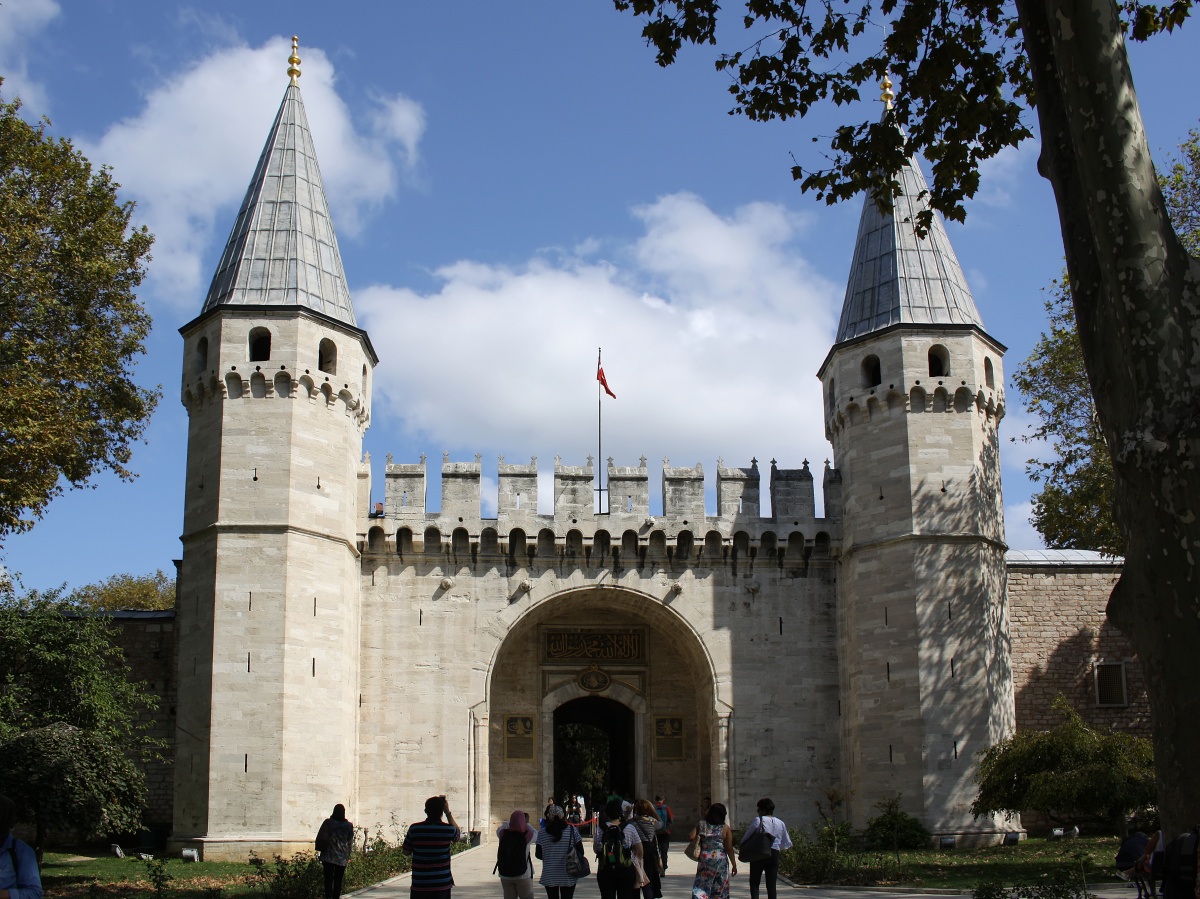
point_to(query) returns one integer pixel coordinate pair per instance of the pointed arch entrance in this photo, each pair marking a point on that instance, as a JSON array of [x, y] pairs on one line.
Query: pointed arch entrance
[[603, 683]]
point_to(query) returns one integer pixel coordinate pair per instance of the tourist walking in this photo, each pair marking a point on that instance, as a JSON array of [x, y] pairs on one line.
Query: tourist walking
[[647, 822], [335, 839], [717, 863], [617, 844], [663, 837], [557, 840], [512, 856], [429, 842], [766, 822]]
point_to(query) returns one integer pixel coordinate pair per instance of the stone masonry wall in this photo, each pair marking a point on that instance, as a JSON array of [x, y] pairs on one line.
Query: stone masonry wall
[[1059, 632], [148, 641]]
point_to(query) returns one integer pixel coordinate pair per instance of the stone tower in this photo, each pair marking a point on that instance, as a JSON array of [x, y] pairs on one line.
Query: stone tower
[[277, 385], [913, 390]]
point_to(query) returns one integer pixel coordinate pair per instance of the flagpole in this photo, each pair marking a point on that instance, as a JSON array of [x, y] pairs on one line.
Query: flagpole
[[599, 437]]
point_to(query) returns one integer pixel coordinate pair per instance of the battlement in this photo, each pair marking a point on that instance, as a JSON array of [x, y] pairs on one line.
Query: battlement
[[405, 525]]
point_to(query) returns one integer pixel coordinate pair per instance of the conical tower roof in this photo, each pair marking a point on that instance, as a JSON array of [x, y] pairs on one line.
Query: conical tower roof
[[898, 278], [282, 250]]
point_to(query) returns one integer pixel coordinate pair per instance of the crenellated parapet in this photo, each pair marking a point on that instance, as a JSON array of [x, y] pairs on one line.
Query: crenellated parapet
[[574, 529]]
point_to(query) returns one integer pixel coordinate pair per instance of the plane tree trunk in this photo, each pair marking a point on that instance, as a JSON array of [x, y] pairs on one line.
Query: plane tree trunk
[[1137, 304]]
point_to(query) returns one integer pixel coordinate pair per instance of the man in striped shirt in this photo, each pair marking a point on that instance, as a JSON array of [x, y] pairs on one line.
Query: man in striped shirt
[[428, 842]]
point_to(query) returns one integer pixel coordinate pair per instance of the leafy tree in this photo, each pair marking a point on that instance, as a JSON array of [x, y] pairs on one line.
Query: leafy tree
[[65, 778], [968, 70], [1074, 508], [127, 591], [1072, 772], [70, 325], [69, 733]]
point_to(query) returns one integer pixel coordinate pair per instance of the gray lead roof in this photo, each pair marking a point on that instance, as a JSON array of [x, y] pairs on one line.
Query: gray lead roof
[[282, 250], [897, 278]]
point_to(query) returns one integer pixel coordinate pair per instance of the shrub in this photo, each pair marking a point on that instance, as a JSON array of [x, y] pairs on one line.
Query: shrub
[[298, 877], [895, 829], [813, 863]]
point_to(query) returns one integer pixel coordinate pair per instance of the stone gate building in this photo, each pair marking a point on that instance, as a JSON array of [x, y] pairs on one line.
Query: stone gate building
[[330, 649]]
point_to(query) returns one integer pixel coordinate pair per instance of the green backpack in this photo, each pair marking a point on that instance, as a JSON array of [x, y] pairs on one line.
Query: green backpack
[[614, 854]]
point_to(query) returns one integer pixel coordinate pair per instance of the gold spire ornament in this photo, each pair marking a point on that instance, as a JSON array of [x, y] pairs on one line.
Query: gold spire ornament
[[294, 61], [887, 95]]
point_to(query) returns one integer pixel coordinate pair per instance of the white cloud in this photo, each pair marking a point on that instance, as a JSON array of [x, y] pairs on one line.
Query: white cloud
[[19, 22], [1001, 175], [1018, 532], [187, 157], [712, 327]]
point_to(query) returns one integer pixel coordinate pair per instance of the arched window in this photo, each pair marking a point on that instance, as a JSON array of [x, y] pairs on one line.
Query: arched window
[[233, 385], [260, 345], [601, 543], [767, 543], [517, 543], [629, 544], [376, 541], [832, 393], [327, 357], [821, 545], [283, 385], [712, 545], [916, 400], [741, 543], [795, 547], [574, 544], [460, 542], [545, 544], [364, 379], [489, 542], [989, 376], [201, 355], [939, 361], [683, 546], [433, 540], [872, 372], [404, 541], [658, 545]]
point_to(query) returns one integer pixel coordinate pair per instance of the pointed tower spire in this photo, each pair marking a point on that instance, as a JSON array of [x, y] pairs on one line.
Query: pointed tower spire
[[896, 277], [283, 250]]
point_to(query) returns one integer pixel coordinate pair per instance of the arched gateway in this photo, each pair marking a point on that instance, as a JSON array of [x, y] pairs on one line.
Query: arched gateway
[[597, 690]]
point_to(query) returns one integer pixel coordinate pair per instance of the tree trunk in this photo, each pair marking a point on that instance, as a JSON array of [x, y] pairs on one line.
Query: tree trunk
[[1137, 297]]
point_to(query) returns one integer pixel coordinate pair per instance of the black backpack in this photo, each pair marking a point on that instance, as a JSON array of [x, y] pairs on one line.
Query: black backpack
[[1179, 867], [512, 855], [614, 854]]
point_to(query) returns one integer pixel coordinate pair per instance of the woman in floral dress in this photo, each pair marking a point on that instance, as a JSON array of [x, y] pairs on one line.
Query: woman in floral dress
[[717, 861]]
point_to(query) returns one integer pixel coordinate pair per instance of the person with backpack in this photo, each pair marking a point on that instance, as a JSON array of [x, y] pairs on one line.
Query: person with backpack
[[555, 843], [646, 820], [512, 857], [1127, 858], [617, 843], [663, 837], [19, 877], [1180, 860]]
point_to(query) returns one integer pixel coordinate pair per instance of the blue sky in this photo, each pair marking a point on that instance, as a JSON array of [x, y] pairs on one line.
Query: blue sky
[[513, 185]]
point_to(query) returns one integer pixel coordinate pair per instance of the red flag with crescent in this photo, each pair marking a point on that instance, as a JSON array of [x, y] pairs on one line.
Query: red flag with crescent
[[601, 379]]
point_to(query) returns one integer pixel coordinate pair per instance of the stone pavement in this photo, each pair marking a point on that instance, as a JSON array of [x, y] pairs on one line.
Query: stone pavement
[[473, 879]]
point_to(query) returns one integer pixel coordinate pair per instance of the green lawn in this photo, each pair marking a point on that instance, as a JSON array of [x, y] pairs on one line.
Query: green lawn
[[73, 876], [962, 869]]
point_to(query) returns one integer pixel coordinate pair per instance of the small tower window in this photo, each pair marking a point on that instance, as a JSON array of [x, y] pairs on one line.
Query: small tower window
[[939, 361], [832, 393], [201, 355], [364, 379], [989, 376], [872, 372], [327, 357], [260, 345]]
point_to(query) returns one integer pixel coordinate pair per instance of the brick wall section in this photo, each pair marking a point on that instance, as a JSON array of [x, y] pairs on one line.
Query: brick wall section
[[148, 641], [1059, 632]]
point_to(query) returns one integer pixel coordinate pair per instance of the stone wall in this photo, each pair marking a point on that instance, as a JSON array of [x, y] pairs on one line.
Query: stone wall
[[148, 641], [1059, 633]]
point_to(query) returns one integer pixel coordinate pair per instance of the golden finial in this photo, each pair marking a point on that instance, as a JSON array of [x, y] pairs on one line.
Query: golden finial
[[294, 61], [887, 96]]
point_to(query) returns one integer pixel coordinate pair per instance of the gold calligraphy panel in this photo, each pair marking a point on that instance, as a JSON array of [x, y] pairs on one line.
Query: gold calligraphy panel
[[669, 745], [518, 738], [593, 646]]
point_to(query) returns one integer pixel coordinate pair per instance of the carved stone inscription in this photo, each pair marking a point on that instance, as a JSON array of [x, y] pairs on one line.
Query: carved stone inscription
[[594, 646]]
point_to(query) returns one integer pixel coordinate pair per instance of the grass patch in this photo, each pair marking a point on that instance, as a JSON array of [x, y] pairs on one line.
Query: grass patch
[[79, 876], [1028, 863]]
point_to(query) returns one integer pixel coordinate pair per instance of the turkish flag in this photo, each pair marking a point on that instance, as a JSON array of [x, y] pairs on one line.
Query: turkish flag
[[600, 378]]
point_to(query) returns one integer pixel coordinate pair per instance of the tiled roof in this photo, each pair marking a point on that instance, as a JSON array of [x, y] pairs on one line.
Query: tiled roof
[[282, 250], [897, 278]]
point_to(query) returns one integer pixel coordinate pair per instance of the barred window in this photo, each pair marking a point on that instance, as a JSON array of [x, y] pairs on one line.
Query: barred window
[[1110, 683]]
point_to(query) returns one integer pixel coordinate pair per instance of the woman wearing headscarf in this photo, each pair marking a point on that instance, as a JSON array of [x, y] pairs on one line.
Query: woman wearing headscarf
[[515, 836], [557, 840], [646, 820], [717, 861], [337, 838]]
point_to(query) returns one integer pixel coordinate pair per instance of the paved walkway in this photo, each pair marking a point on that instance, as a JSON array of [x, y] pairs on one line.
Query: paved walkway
[[473, 879]]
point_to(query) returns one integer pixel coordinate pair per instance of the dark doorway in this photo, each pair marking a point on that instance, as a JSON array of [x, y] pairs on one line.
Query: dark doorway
[[593, 750]]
